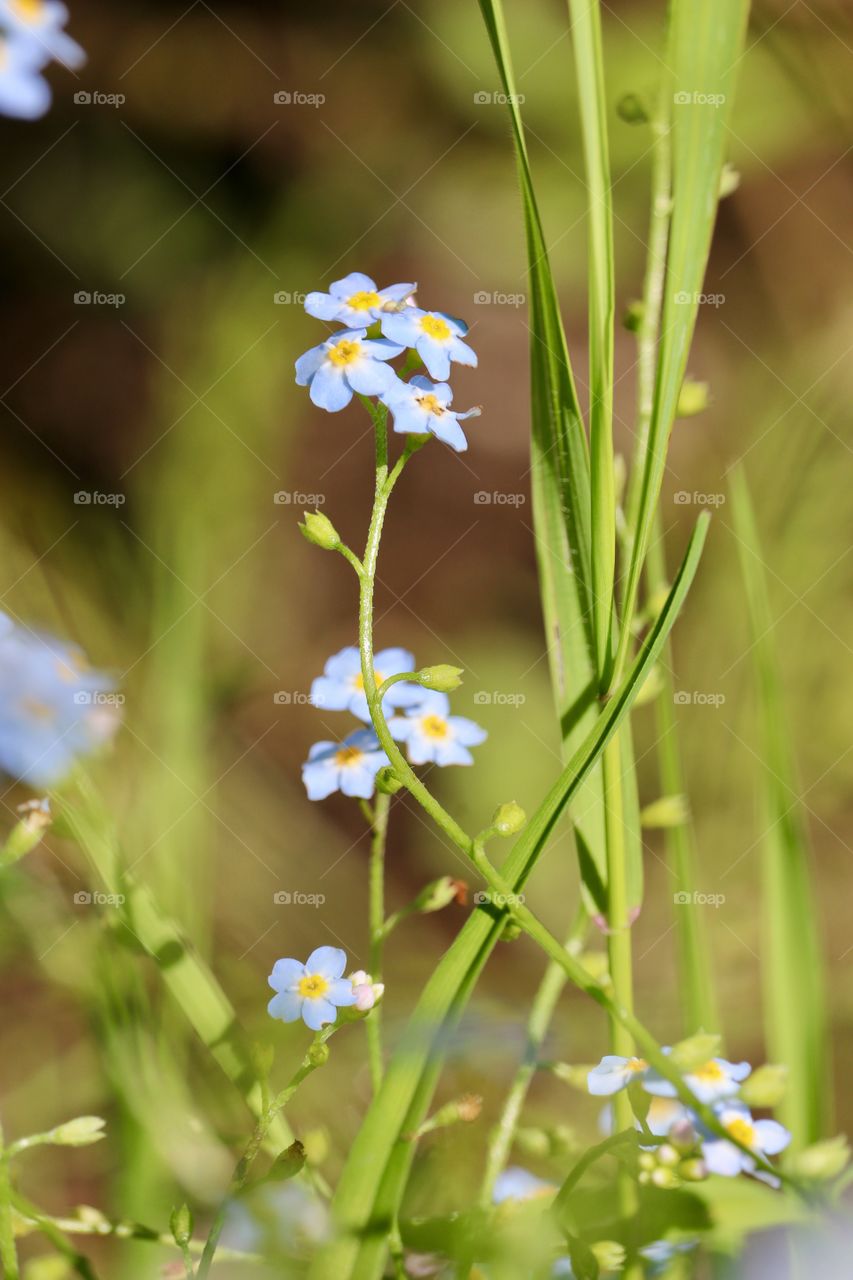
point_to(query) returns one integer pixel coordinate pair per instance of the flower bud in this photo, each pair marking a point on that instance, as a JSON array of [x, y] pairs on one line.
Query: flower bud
[[367, 992], [28, 832], [633, 316], [822, 1161], [693, 1170], [443, 679], [667, 1155], [81, 1132], [181, 1225], [437, 895], [509, 819], [609, 1255], [632, 109], [729, 180], [320, 530], [318, 1054], [693, 398], [387, 782], [288, 1163], [665, 1179], [665, 813]]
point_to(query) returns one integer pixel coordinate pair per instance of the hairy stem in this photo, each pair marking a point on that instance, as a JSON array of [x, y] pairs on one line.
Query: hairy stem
[[377, 931]]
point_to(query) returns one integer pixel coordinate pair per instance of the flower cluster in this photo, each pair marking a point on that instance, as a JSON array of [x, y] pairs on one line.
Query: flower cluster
[[32, 34], [314, 991], [53, 706], [379, 325], [421, 719], [716, 1083]]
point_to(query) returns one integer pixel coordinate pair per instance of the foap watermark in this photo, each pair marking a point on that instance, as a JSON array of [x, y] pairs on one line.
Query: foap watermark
[[296, 498], [297, 98], [94, 498], [288, 298], [293, 698], [98, 698], [486, 298], [683, 498], [696, 698], [495, 698], [483, 98], [497, 498], [483, 898], [83, 898], [296, 898], [696, 99], [686, 299], [697, 899], [97, 298], [97, 98]]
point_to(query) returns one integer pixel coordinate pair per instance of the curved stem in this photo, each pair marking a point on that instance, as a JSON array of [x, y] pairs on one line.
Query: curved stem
[[377, 931], [8, 1251]]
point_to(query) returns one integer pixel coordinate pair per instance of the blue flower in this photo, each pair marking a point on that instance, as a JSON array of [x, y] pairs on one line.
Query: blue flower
[[516, 1183], [764, 1137], [713, 1081], [431, 734], [53, 706], [24, 93], [420, 406], [436, 337], [613, 1074], [345, 363], [43, 22], [340, 687], [350, 766], [357, 300], [313, 991], [660, 1253]]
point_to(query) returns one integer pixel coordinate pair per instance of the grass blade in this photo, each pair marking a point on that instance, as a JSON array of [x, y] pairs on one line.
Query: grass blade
[[795, 1012]]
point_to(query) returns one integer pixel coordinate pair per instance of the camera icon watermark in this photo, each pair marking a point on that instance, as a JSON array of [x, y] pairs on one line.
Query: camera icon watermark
[[297, 98], [98, 698], [296, 898], [483, 98], [698, 99], [696, 698], [93, 497], [97, 98], [296, 498], [483, 898], [288, 298], [685, 299], [685, 499], [495, 698], [498, 498], [83, 898], [484, 298], [98, 298], [697, 899], [289, 698]]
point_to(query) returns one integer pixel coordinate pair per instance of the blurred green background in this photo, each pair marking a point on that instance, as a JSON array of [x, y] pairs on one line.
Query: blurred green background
[[196, 213]]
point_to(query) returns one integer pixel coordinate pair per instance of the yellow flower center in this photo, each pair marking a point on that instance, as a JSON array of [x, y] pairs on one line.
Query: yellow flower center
[[359, 680], [435, 727], [37, 709], [431, 404], [363, 301], [436, 328], [344, 352], [710, 1073], [313, 986], [29, 10], [70, 669], [741, 1130], [348, 756], [636, 1064]]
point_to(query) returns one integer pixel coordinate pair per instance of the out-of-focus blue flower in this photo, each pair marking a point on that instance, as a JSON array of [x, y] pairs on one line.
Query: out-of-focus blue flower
[[347, 362], [712, 1082], [613, 1074], [420, 406], [24, 92], [357, 300], [350, 766], [53, 706], [431, 734], [660, 1253], [436, 337], [764, 1137], [43, 22], [313, 991], [516, 1183], [341, 688]]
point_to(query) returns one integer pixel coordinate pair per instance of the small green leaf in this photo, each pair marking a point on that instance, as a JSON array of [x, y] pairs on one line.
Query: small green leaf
[[694, 1052], [765, 1087], [822, 1161], [288, 1163]]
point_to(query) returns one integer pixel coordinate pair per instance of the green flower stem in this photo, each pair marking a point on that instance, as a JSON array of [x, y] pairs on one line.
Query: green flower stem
[[623, 1138], [8, 1252], [377, 931], [473, 849], [309, 1063], [541, 1013]]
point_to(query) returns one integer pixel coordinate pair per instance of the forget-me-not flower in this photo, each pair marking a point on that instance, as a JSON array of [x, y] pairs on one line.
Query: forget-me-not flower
[[712, 1082], [764, 1137], [350, 766], [660, 1253], [24, 92], [341, 688], [516, 1183], [431, 734], [357, 300], [367, 992], [347, 362], [419, 406], [54, 707], [43, 22], [436, 337], [313, 991], [613, 1074]]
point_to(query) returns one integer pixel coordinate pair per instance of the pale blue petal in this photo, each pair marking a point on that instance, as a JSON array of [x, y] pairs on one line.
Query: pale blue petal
[[450, 752], [462, 353], [724, 1158], [308, 364], [772, 1136], [608, 1077], [382, 349], [286, 1006], [322, 306], [467, 732], [329, 962], [355, 282], [360, 780], [320, 780], [346, 663], [404, 695], [447, 429], [340, 993], [329, 389], [285, 974], [317, 1014], [393, 662], [435, 356], [330, 695], [401, 728], [370, 378], [402, 326], [409, 417], [421, 749], [321, 750]]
